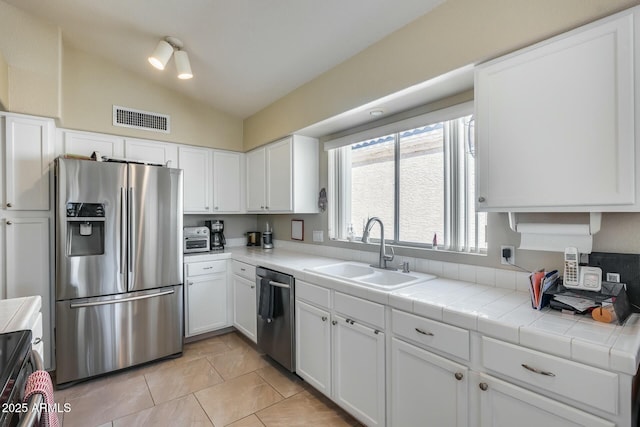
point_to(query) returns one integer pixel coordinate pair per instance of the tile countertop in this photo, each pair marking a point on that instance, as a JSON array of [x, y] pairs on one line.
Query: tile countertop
[[16, 313], [498, 312]]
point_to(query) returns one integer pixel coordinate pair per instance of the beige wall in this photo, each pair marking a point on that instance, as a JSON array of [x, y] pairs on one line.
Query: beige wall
[[32, 50], [457, 33], [92, 85], [4, 83]]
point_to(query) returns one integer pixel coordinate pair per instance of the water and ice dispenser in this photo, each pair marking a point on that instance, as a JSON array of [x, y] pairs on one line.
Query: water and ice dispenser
[[85, 229]]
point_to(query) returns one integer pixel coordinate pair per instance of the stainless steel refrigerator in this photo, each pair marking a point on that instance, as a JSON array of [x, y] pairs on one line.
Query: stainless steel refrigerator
[[118, 266]]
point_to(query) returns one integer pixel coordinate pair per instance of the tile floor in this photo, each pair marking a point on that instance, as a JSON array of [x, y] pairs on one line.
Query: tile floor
[[220, 381]]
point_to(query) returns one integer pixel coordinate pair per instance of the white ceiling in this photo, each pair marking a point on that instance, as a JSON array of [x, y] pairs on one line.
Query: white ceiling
[[245, 54]]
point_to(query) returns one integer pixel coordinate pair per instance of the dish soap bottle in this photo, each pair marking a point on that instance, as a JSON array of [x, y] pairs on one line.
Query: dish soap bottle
[[350, 233]]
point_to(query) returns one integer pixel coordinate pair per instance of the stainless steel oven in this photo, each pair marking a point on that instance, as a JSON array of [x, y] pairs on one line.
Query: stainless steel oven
[[276, 311], [17, 362]]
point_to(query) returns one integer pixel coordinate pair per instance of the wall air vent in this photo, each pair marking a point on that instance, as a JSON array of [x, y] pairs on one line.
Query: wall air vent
[[137, 119]]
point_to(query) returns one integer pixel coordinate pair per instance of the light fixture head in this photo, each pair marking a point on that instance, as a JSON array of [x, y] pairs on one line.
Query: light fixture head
[[376, 113], [161, 55], [183, 65]]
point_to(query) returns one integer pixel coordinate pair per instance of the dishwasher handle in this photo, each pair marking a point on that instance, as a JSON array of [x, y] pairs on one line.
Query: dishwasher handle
[[279, 284]]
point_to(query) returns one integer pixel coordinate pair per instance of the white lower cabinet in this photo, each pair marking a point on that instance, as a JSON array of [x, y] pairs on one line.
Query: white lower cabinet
[[341, 355], [427, 389], [505, 405], [313, 346], [205, 296], [245, 317], [359, 370]]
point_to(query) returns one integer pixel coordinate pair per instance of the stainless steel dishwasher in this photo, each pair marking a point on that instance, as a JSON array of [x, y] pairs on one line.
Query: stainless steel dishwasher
[[276, 311]]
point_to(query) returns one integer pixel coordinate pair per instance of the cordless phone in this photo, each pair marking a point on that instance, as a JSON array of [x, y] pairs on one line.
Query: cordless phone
[[571, 269]]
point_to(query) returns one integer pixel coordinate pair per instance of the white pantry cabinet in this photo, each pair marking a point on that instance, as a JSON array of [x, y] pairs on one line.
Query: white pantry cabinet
[[205, 296], [195, 163], [425, 386], [245, 315], [28, 153], [341, 350], [556, 122], [151, 151], [283, 177], [85, 143], [28, 269]]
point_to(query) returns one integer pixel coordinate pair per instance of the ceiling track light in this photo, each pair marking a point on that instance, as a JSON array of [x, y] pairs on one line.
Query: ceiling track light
[[162, 54]]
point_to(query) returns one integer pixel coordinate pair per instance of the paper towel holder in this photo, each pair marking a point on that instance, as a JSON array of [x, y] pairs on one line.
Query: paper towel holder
[[595, 220]]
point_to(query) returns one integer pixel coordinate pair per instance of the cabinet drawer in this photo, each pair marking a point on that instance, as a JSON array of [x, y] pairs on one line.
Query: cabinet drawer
[[313, 294], [206, 267], [359, 309], [430, 333], [245, 270], [582, 383]]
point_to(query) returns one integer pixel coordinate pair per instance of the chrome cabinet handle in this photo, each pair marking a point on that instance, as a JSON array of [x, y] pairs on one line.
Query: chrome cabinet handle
[[349, 321], [242, 269], [9, 205], [334, 322], [538, 371], [9, 223], [483, 386], [420, 331], [36, 341], [266, 207], [207, 268], [324, 318], [253, 286], [206, 208], [458, 376], [190, 283], [376, 331], [481, 199], [216, 208]]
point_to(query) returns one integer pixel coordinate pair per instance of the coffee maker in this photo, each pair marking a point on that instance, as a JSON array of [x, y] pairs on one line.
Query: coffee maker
[[216, 227]]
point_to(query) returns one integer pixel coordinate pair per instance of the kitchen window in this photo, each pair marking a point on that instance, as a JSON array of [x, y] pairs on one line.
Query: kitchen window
[[416, 175]]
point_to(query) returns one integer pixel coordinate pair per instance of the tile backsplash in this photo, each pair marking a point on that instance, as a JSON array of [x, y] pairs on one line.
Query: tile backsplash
[[496, 277]]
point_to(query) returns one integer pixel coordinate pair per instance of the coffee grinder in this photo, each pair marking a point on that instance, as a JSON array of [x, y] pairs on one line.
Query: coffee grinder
[[216, 227]]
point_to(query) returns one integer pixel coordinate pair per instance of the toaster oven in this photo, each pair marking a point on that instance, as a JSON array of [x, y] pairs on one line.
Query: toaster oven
[[196, 239]]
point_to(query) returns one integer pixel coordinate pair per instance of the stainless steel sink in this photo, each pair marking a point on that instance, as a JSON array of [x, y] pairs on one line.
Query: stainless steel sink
[[364, 275]]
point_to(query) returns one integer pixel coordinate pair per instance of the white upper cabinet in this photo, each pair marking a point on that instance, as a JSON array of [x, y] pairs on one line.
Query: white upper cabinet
[[85, 143], [227, 182], [29, 147], [555, 122], [283, 177], [151, 151], [256, 180], [195, 163]]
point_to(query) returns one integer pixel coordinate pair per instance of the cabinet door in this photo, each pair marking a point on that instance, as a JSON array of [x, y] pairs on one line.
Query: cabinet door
[[280, 176], [256, 185], [151, 151], [28, 268], [85, 144], [245, 316], [197, 191], [313, 346], [426, 388], [227, 182], [359, 371], [505, 405], [29, 151], [555, 123], [206, 303]]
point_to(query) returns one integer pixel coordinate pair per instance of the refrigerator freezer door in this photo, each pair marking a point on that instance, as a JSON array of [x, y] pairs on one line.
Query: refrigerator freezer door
[[155, 227], [99, 335], [86, 273]]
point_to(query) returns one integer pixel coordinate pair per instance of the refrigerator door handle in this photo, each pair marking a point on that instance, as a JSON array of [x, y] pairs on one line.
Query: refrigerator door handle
[[131, 220], [123, 229], [118, 301]]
